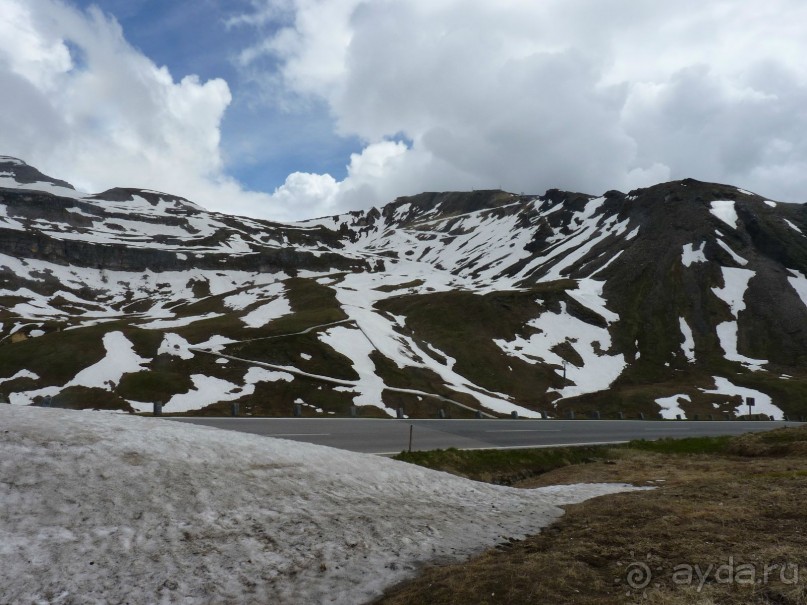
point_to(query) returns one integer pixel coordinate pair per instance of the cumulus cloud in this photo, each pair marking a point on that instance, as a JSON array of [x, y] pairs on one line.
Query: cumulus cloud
[[577, 94], [443, 94], [81, 104]]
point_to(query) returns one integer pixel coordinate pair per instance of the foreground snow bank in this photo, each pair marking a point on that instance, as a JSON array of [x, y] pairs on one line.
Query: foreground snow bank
[[100, 508]]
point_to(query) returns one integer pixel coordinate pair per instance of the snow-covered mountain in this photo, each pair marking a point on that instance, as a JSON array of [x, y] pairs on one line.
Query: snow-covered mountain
[[682, 298]]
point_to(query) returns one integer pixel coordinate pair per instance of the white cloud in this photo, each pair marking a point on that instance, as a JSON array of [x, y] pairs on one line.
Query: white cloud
[[312, 194], [575, 94], [444, 94], [81, 104]]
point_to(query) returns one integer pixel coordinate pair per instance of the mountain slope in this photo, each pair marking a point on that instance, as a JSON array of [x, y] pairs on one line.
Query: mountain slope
[[681, 298]]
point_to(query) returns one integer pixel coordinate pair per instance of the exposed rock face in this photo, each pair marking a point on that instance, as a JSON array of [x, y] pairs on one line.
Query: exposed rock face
[[682, 298]]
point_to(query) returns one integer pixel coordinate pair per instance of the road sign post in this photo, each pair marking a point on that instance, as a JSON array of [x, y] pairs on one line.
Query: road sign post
[[750, 402]]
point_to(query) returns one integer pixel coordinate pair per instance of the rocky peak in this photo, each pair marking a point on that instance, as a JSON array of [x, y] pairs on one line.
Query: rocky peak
[[23, 174]]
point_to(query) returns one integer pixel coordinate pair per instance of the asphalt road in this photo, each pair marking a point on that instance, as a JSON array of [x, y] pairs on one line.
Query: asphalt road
[[381, 436]]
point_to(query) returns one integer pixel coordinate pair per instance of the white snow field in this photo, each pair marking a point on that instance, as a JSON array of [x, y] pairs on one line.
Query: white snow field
[[107, 508]]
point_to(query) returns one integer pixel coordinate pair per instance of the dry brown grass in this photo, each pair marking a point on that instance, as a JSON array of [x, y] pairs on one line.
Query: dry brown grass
[[708, 510]]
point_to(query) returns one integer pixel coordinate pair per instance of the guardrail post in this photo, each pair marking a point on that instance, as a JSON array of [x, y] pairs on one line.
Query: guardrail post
[[478, 414], [641, 415], [595, 414], [158, 409], [354, 411], [399, 412], [441, 413], [298, 410], [234, 409]]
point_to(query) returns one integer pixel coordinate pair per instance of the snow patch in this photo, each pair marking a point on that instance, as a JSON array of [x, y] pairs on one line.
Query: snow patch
[[727, 334], [688, 347], [690, 255], [120, 359], [762, 403], [267, 312], [598, 370], [733, 294], [214, 343], [725, 211], [736, 257], [353, 344], [589, 294], [20, 374], [300, 523], [798, 281], [670, 406], [162, 324], [174, 344], [607, 264], [241, 300], [735, 283], [794, 227], [208, 390]]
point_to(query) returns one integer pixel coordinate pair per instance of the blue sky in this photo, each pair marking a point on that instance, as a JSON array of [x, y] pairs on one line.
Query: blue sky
[[288, 109], [261, 143]]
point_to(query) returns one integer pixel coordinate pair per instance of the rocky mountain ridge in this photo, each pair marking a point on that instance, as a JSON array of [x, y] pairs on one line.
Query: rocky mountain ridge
[[682, 299]]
